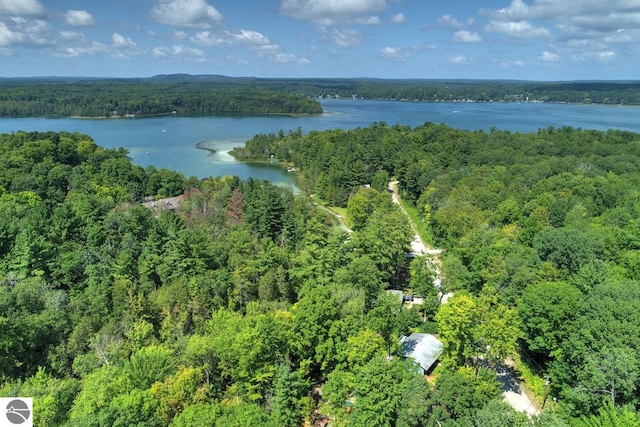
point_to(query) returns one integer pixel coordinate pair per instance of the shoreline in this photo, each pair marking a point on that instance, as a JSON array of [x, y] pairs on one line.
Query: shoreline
[[302, 115]]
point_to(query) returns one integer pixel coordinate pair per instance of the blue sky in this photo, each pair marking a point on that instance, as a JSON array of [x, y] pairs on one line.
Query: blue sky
[[491, 39]]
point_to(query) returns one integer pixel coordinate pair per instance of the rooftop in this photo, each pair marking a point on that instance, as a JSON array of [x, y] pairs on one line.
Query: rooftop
[[423, 348]]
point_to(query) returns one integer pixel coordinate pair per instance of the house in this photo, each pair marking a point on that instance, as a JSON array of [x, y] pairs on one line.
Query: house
[[424, 349]]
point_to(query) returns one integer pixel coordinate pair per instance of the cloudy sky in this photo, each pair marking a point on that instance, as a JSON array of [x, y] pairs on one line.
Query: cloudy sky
[[488, 39]]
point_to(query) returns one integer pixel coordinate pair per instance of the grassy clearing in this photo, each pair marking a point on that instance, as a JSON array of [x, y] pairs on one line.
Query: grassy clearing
[[533, 382], [418, 220], [338, 210]]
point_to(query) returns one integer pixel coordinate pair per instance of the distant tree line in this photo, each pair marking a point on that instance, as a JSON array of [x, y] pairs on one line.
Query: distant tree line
[[461, 90], [185, 94], [142, 97]]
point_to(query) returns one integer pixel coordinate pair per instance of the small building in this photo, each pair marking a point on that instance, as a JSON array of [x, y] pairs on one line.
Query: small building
[[424, 349]]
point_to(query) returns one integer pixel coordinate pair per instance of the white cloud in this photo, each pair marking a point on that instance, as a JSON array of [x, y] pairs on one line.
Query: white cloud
[[586, 29], [371, 20], [206, 38], [258, 43], [8, 37], [517, 29], [180, 35], [71, 35], [120, 41], [93, 48], [346, 37], [606, 55], [459, 59], [21, 8], [421, 47], [464, 36], [123, 47], [449, 22], [547, 56], [78, 18], [517, 10], [399, 18], [186, 13], [25, 32], [290, 58], [179, 51], [394, 53], [510, 64], [331, 12]]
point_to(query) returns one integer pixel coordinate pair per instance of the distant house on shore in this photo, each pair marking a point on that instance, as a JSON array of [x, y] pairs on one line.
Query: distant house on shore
[[424, 349]]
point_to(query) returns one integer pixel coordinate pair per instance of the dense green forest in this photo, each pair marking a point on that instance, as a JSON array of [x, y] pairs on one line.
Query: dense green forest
[[143, 97], [548, 221], [239, 304], [185, 94]]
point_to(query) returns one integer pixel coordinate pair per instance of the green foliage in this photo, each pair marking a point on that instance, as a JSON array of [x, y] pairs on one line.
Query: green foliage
[[475, 329], [242, 297], [566, 249], [597, 360], [546, 312], [53, 397], [241, 415], [148, 365], [284, 408], [360, 207], [609, 416], [460, 394], [378, 390], [205, 415], [498, 413], [414, 407], [143, 97]]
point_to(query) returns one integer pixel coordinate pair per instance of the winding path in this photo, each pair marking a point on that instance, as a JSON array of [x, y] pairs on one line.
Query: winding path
[[512, 393], [340, 218]]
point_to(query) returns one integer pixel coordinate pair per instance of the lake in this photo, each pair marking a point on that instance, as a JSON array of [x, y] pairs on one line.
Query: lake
[[170, 141]]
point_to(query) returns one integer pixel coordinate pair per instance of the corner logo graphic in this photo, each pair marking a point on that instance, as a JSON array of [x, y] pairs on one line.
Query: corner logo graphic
[[16, 411]]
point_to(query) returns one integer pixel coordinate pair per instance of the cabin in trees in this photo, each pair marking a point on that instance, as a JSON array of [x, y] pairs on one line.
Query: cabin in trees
[[424, 349]]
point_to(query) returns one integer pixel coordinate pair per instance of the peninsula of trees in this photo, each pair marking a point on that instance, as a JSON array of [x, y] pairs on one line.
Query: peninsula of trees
[[143, 97], [238, 303]]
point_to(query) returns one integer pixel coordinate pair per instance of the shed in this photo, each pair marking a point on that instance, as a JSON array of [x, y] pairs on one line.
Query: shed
[[424, 349]]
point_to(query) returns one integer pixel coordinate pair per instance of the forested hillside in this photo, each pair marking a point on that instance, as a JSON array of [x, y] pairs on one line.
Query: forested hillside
[[224, 311], [143, 97], [243, 305], [548, 221]]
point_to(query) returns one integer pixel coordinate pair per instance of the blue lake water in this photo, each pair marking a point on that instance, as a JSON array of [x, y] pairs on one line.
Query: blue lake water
[[170, 141]]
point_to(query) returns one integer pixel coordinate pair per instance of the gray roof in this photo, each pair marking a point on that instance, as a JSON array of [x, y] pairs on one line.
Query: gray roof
[[423, 348]]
